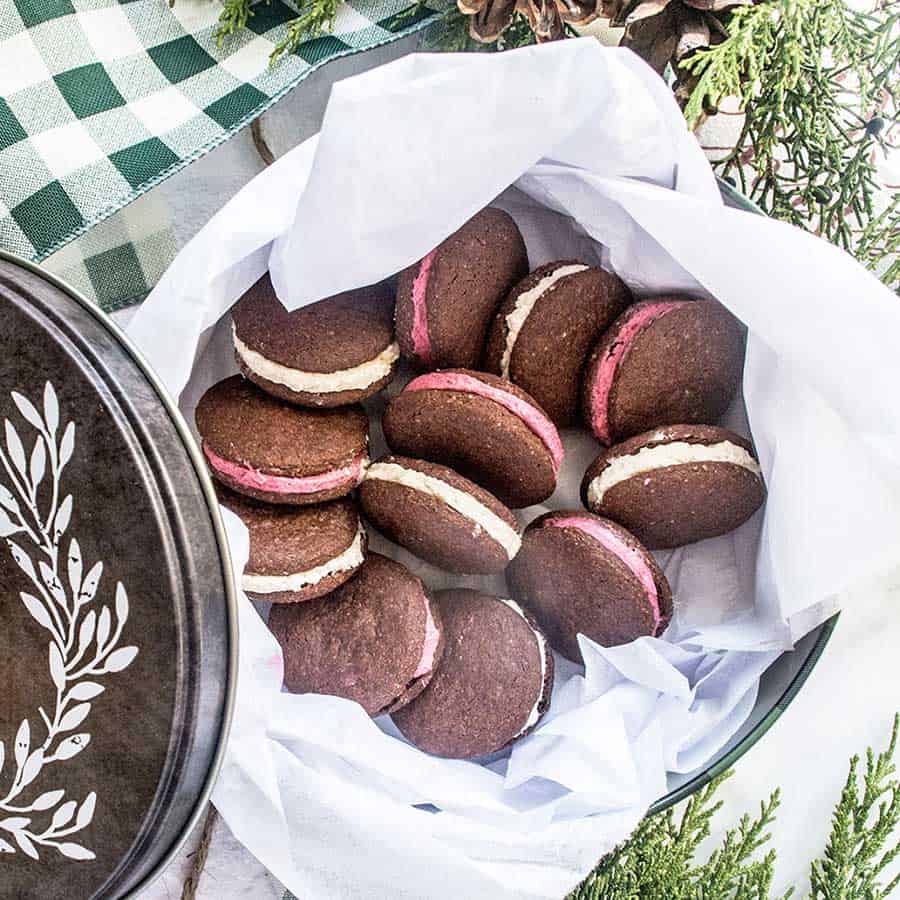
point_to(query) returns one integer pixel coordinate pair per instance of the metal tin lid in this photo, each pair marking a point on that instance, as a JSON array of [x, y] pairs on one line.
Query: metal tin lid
[[118, 641]]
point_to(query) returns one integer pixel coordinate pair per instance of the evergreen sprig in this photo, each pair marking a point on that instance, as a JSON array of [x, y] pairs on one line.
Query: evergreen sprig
[[658, 861], [315, 18], [817, 80]]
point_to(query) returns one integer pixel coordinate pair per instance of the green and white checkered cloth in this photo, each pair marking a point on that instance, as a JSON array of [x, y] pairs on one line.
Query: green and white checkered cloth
[[102, 99]]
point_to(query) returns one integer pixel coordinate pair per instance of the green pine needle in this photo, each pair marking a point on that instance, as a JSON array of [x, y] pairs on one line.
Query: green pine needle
[[806, 152], [316, 17], [658, 860], [863, 842]]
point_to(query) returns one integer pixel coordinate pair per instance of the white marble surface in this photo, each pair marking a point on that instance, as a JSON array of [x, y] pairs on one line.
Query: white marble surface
[[847, 703]]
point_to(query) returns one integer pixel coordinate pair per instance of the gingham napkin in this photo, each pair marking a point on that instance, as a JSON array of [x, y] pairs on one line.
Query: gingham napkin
[[102, 99]]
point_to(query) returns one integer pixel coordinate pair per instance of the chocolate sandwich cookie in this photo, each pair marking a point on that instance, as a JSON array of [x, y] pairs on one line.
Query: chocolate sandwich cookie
[[298, 552], [544, 330], [484, 427], [376, 639], [676, 485], [664, 361], [265, 448], [445, 301], [581, 574], [440, 516], [331, 353], [493, 684]]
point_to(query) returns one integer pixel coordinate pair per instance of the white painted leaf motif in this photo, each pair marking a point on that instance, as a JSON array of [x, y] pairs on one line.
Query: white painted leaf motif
[[52, 582], [26, 407], [120, 659], [23, 561], [72, 746], [75, 851], [32, 767], [15, 448], [86, 813], [67, 445], [91, 580], [73, 561], [6, 526], [86, 632], [37, 610], [121, 604], [47, 800], [74, 717], [38, 464], [103, 625], [23, 743], [86, 690], [51, 408], [63, 815], [63, 516], [6, 847], [57, 668], [7, 501], [14, 823], [25, 844]]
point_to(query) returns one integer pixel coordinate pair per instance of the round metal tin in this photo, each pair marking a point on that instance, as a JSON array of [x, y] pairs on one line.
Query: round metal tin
[[119, 638]]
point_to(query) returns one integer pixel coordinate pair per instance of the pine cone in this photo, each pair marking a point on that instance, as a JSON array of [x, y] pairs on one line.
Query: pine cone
[[547, 18]]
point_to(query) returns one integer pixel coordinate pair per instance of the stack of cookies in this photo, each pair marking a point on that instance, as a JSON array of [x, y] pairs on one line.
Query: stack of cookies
[[503, 359]]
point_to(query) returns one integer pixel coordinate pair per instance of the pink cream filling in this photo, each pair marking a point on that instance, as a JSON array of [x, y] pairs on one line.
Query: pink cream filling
[[532, 417], [421, 340], [606, 371], [432, 639], [615, 544], [282, 484]]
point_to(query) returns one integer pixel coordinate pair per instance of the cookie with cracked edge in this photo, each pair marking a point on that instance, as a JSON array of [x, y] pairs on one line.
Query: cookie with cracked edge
[[377, 639], [578, 573], [677, 484], [494, 682], [544, 330], [445, 301]]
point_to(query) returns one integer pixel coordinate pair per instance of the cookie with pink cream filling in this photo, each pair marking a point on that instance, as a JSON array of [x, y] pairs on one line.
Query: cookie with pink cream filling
[[481, 425], [578, 573], [270, 450], [669, 360], [377, 639], [445, 302], [494, 682]]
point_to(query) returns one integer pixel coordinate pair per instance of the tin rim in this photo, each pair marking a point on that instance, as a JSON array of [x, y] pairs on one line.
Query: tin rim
[[209, 495]]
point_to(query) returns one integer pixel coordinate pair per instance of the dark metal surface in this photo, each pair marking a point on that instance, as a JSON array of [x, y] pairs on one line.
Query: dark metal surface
[[149, 743]]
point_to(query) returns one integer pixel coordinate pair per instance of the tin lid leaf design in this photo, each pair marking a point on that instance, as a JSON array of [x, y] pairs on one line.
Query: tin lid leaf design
[[83, 642]]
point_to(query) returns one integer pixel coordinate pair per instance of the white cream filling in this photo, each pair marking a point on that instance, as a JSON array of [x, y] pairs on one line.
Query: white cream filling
[[485, 519], [524, 304], [675, 453], [534, 715], [355, 379], [271, 584]]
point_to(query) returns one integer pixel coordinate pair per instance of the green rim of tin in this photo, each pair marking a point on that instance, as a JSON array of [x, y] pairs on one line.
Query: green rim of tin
[[212, 504]]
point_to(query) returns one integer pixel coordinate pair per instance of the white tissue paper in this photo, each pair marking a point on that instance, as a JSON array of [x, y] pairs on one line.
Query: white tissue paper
[[586, 148]]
